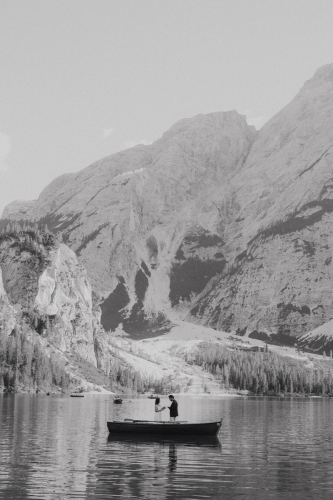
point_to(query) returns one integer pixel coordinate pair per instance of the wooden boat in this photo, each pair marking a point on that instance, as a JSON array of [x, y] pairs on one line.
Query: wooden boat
[[152, 396], [117, 401], [181, 428], [77, 395]]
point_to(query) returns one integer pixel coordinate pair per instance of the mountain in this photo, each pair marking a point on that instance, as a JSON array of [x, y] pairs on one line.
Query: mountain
[[134, 218], [279, 240], [214, 222]]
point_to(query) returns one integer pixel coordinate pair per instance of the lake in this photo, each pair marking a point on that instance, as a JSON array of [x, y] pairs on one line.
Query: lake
[[56, 447]]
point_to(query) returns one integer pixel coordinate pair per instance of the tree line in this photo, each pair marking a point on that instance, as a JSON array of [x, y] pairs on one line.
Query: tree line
[[123, 377], [263, 372], [25, 366], [29, 237]]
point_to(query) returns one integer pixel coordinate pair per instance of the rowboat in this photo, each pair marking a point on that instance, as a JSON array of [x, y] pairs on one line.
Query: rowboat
[[117, 401], [77, 395], [152, 396], [181, 428]]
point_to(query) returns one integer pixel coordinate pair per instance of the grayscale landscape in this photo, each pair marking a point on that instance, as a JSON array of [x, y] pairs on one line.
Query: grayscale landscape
[[198, 263]]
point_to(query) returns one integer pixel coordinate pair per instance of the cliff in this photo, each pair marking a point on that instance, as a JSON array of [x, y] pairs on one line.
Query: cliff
[[44, 291]]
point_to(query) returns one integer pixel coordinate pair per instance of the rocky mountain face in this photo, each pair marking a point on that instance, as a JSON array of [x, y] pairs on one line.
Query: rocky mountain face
[[43, 286], [319, 340], [279, 241], [215, 222], [133, 219], [7, 311]]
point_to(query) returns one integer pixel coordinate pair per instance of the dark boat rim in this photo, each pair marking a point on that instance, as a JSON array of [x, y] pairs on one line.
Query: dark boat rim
[[163, 422]]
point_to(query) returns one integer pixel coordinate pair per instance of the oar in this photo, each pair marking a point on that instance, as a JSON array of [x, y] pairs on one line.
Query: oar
[[155, 422]]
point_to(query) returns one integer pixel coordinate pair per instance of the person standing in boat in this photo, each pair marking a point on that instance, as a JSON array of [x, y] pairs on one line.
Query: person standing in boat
[[173, 408], [158, 410]]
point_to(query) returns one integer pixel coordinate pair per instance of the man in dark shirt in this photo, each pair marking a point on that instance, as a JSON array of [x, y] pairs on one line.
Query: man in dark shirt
[[173, 409]]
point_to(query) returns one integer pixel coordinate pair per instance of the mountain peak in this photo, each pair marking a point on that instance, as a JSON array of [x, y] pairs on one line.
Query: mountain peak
[[220, 122], [322, 76], [324, 72]]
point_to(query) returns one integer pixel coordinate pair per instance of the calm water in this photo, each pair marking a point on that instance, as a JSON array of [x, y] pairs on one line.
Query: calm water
[[58, 448]]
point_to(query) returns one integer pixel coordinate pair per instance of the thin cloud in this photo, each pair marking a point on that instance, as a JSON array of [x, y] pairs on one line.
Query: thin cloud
[[107, 132], [252, 118], [257, 121], [5, 148], [131, 144]]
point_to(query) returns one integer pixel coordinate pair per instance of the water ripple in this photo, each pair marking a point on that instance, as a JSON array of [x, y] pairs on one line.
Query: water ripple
[[58, 448]]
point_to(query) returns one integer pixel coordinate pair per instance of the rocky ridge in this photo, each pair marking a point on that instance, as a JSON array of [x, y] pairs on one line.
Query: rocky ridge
[[280, 239], [215, 222], [127, 215]]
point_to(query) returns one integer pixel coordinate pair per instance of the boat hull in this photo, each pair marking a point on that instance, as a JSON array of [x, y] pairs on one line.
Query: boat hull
[[165, 428], [166, 439]]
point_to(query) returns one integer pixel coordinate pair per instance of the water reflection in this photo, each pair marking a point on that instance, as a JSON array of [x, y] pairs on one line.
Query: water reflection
[[157, 465], [172, 457], [58, 448]]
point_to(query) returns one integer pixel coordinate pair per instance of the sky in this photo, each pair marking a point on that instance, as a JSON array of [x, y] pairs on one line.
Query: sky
[[83, 79]]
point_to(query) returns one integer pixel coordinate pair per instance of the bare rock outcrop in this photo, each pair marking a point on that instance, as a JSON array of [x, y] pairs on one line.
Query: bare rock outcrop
[[43, 285], [64, 300], [7, 311]]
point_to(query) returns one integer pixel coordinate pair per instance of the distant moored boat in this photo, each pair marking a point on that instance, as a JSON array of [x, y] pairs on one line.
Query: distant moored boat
[[77, 395]]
